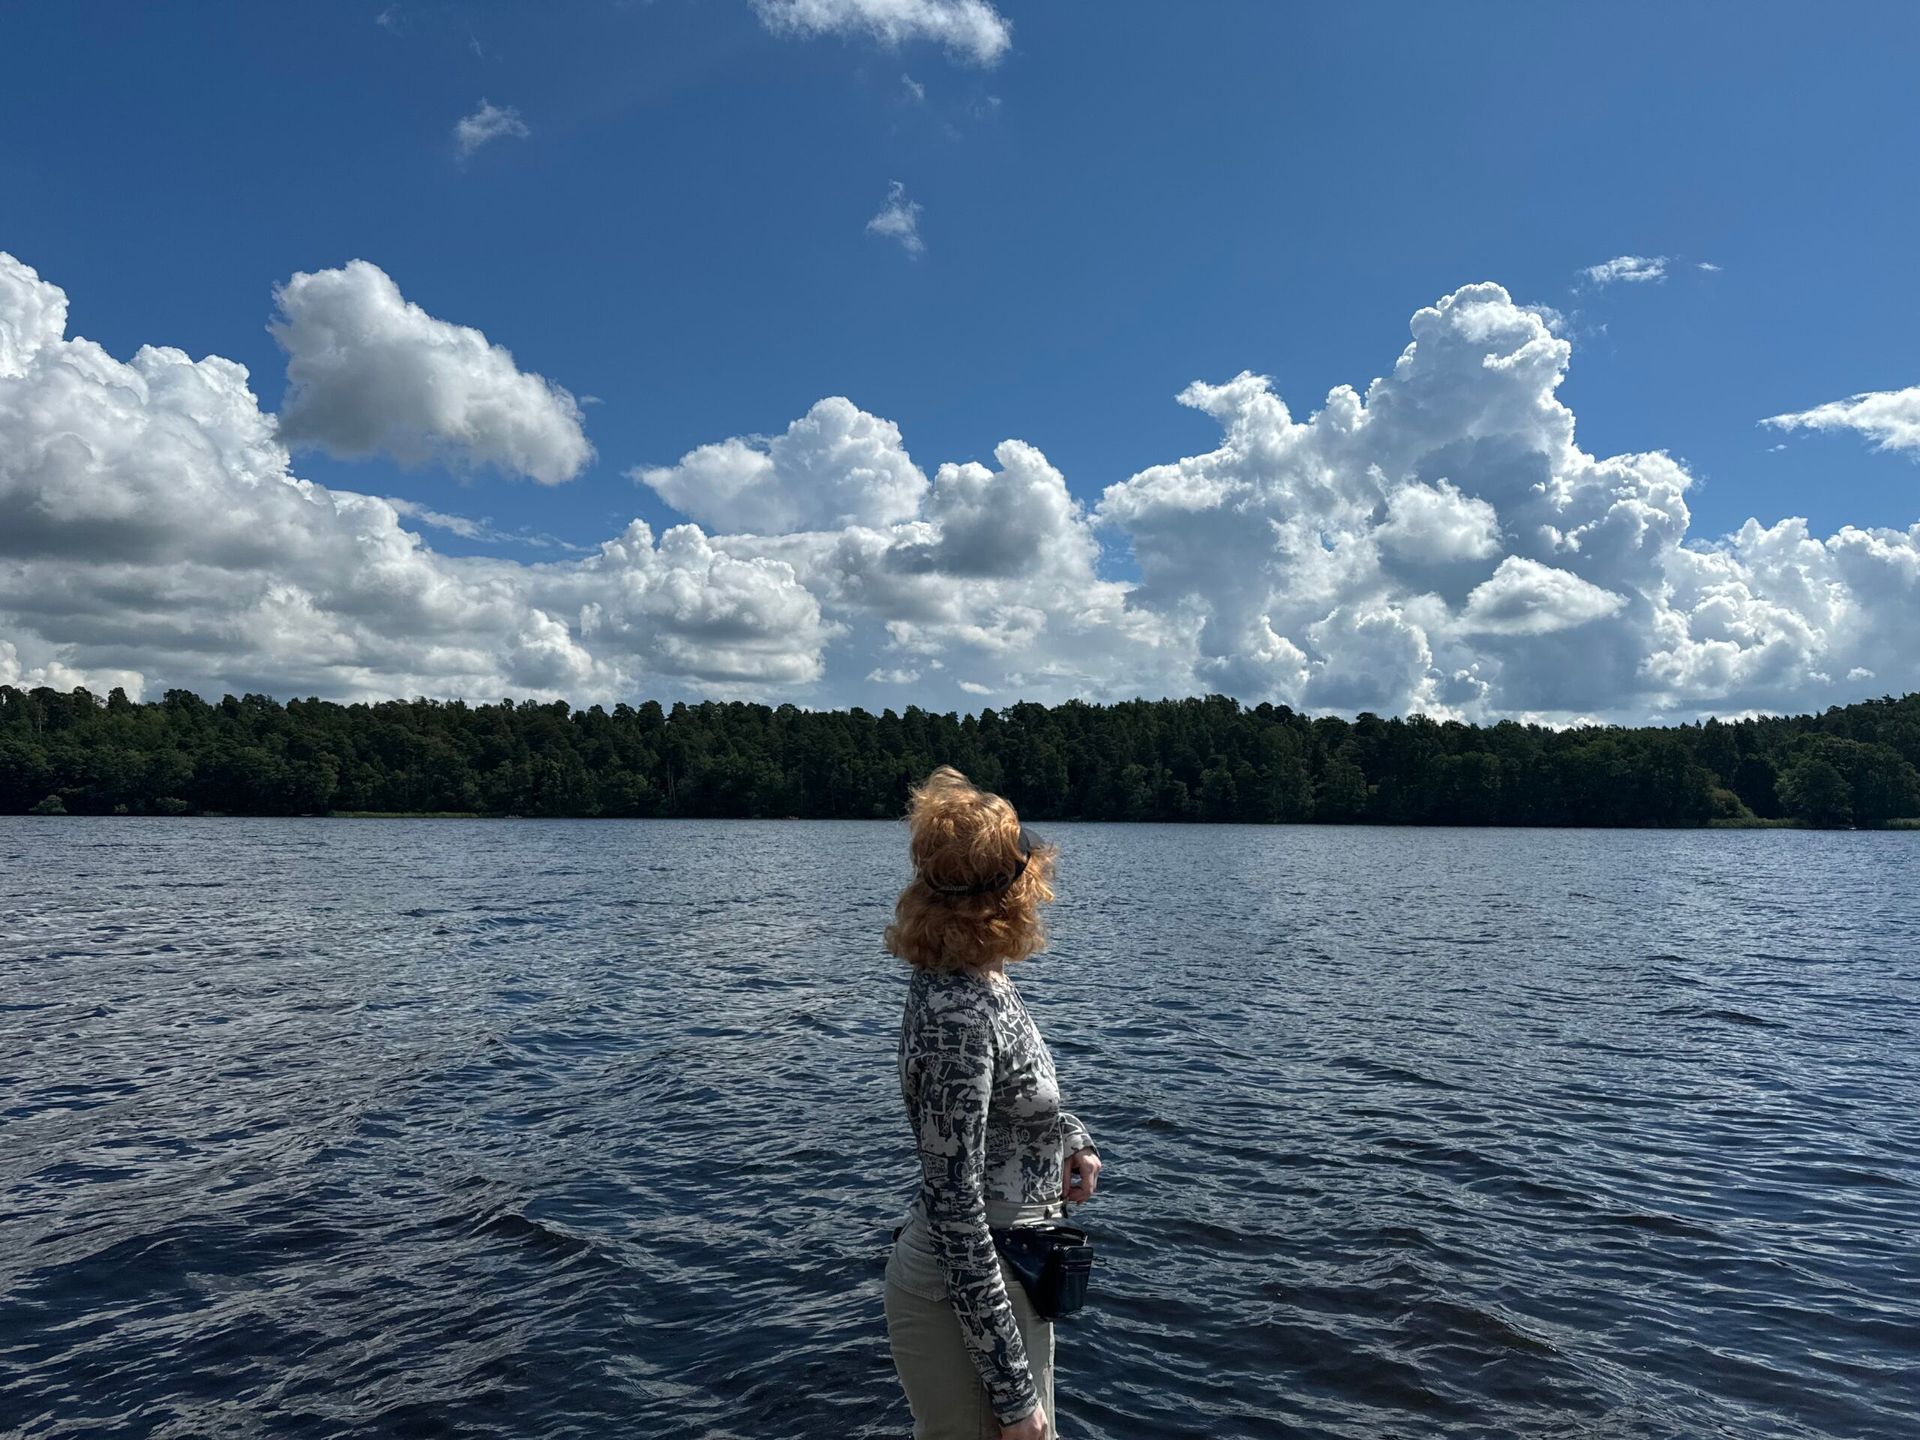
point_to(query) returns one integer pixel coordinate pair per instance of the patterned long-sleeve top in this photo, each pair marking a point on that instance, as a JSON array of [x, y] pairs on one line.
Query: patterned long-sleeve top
[[985, 1108]]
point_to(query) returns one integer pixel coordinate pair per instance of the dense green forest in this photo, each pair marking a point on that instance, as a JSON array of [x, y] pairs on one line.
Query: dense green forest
[[1206, 759]]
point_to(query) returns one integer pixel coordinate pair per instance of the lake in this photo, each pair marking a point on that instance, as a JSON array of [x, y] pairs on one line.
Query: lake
[[552, 1129]]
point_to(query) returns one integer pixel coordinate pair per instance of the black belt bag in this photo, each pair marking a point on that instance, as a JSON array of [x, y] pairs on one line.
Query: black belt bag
[[1053, 1262]]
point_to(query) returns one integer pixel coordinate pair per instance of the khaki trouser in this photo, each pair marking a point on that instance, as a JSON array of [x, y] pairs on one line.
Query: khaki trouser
[[935, 1368]]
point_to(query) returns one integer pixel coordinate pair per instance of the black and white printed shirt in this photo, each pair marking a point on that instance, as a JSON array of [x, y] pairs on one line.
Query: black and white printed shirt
[[985, 1109]]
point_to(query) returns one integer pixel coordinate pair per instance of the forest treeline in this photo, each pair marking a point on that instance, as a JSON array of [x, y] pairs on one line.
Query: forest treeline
[[1208, 759]]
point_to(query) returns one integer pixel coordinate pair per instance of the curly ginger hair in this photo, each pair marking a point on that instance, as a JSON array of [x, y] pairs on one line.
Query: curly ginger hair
[[960, 836]]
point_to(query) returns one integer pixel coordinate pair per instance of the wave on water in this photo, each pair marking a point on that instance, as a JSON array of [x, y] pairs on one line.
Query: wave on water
[[527, 1131]]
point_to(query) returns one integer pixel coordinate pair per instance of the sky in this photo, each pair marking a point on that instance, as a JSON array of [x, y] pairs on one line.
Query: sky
[[1478, 360]]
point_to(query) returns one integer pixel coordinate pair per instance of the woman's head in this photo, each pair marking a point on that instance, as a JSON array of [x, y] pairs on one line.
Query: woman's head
[[978, 880]]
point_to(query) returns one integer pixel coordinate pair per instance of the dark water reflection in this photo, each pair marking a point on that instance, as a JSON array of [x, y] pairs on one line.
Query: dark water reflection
[[542, 1130]]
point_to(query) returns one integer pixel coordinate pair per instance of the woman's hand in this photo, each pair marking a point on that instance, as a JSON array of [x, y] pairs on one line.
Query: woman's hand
[[1081, 1176], [1034, 1427]]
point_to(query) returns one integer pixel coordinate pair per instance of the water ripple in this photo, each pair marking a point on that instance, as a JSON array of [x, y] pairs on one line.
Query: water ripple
[[532, 1129]]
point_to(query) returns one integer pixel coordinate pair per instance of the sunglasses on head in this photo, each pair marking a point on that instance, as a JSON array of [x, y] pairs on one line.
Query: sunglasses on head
[[996, 883]]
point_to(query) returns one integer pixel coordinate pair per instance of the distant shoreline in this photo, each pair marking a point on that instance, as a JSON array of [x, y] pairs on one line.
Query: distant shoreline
[[1905, 823], [1202, 759]]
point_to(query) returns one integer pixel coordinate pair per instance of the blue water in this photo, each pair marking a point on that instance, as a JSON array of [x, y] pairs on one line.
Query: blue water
[[530, 1129]]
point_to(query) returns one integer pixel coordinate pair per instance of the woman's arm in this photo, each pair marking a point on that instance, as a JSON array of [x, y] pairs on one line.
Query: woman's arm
[[1079, 1161], [950, 1120], [1073, 1136]]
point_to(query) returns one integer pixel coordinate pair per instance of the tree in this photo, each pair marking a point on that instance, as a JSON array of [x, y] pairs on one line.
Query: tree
[[1219, 796], [1816, 793], [1884, 785], [1342, 792], [24, 773], [1171, 760], [1756, 782]]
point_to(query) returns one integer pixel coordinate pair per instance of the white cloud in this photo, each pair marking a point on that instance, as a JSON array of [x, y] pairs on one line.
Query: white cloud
[[489, 123], [899, 219], [463, 526], [690, 609], [1441, 542], [971, 29], [1889, 418], [57, 676], [33, 315], [370, 372], [1437, 525], [1709, 267], [1634, 269], [995, 568], [151, 529], [1372, 657], [1436, 541], [1017, 521], [1555, 320], [483, 530], [836, 466], [1524, 597], [915, 90]]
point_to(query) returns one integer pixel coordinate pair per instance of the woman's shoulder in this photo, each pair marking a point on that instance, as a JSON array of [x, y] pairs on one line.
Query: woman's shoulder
[[974, 984], [959, 997]]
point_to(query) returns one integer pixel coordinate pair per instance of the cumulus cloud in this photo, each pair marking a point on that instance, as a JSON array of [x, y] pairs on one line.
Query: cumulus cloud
[[1371, 656], [368, 372], [691, 609], [996, 570], [489, 123], [24, 675], [1524, 597], [836, 466], [1633, 269], [1437, 525], [970, 29], [33, 315], [899, 219], [1436, 541], [1441, 542], [151, 529], [1889, 418], [1018, 520]]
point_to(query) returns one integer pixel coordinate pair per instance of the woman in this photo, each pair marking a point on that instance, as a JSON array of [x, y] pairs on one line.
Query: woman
[[975, 1359]]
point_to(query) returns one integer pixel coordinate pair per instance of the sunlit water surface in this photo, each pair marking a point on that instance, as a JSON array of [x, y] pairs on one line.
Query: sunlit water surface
[[535, 1130]]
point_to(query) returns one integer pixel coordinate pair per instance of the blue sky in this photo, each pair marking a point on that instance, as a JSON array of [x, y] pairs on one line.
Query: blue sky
[[1132, 197]]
